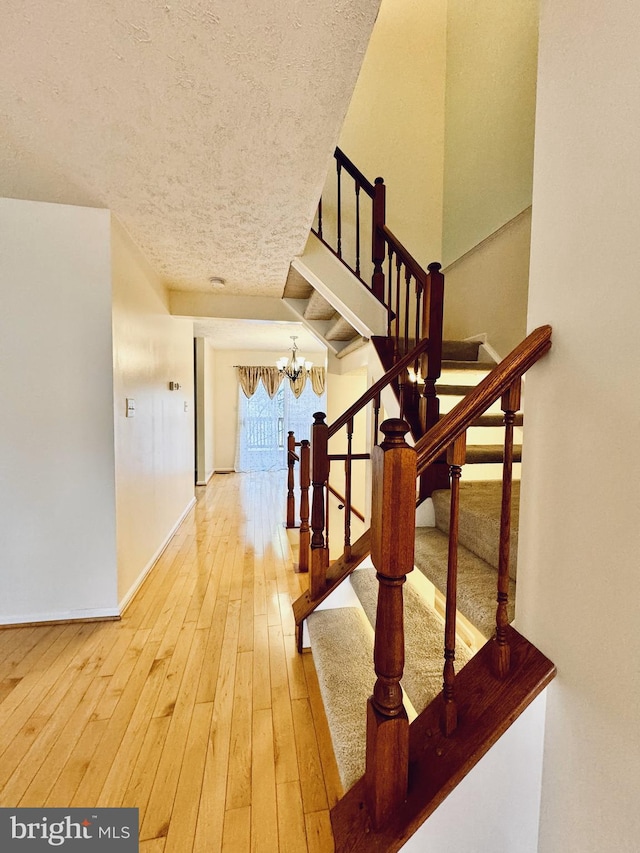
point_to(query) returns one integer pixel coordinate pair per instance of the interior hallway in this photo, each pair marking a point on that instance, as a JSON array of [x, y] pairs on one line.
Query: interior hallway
[[195, 707]]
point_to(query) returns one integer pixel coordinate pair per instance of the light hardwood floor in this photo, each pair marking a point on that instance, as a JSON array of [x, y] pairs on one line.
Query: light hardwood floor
[[195, 707]]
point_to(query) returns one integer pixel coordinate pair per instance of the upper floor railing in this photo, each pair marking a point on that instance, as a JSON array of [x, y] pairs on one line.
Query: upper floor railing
[[351, 222]]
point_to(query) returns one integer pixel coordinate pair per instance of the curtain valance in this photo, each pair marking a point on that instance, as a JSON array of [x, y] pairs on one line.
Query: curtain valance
[[250, 376]]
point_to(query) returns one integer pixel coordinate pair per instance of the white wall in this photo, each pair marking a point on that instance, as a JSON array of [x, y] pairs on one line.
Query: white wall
[[578, 566], [489, 118], [205, 378], [395, 123], [154, 451], [495, 807], [57, 503], [486, 289], [209, 408]]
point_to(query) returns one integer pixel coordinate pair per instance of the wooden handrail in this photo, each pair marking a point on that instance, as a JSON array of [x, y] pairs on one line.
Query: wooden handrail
[[343, 500], [490, 389], [408, 260], [355, 173], [405, 362]]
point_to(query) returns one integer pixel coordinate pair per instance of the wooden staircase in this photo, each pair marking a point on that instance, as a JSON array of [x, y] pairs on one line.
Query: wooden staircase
[[405, 770]]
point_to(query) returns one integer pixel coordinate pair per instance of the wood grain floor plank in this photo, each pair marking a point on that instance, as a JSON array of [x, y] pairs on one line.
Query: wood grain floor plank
[[182, 827], [291, 826], [319, 833], [239, 776], [314, 796], [264, 824], [236, 836]]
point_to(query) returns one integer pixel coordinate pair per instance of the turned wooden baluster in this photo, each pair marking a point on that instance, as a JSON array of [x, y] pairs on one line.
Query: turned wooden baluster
[[377, 239], [407, 299], [501, 649], [396, 338], [339, 204], [389, 302], [320, 475], [305, 480], [456, 455], [392, 547], [291, 461], [347, 491], [436, 476], [357, 229], [376, 418]]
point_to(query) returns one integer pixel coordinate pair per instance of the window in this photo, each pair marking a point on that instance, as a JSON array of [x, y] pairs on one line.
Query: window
[[263, 424]]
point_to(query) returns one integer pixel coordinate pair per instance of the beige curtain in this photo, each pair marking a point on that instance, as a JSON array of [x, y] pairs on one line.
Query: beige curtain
[[248, 377], [271, 379], [298, 386], [317, 380]]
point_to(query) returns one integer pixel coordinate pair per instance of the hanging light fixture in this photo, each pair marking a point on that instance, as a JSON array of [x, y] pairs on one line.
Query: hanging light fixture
[[295, 364]]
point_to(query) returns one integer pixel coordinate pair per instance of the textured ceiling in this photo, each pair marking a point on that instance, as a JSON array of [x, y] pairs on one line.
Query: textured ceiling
[[207, 127]]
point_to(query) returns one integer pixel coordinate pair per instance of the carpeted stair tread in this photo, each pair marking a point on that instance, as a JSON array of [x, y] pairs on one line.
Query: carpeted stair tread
[[424, 639], [480, 454], [460, 350], [342, 647], [446, 390], [493, 420], [479, 519], [464, 364], [477, 580]]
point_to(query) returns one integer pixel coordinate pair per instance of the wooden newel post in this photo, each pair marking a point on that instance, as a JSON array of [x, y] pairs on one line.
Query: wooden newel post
[[305, 481], [501, 648], [320, 474], [291, 461], [392, 549], [377, 238]]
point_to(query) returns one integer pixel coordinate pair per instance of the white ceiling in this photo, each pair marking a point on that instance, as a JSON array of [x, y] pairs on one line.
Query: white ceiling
[[207, 127], [257, 335]]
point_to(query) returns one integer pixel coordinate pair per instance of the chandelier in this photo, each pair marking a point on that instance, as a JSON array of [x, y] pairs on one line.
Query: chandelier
[[295, 364]]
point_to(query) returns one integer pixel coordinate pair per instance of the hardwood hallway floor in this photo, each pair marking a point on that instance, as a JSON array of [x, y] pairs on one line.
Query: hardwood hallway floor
[[195, 707]]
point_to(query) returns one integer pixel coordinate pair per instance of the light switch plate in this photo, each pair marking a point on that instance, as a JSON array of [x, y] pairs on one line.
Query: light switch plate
[[131, 407]]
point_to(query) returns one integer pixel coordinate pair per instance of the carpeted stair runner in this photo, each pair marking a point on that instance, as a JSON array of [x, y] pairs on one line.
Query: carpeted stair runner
[[342, 646]]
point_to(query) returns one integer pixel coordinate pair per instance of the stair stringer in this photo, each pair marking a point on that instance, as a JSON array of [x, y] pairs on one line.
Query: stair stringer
[[339, 286], [497, 805]]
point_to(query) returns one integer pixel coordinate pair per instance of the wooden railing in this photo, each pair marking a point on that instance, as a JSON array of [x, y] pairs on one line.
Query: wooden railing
[[351, 222], [321, 433], [395, 466]]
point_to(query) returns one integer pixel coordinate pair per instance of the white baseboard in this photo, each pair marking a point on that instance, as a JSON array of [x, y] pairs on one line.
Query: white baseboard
[[126, 601], [205, 482], [88, 615], [225, 471]]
